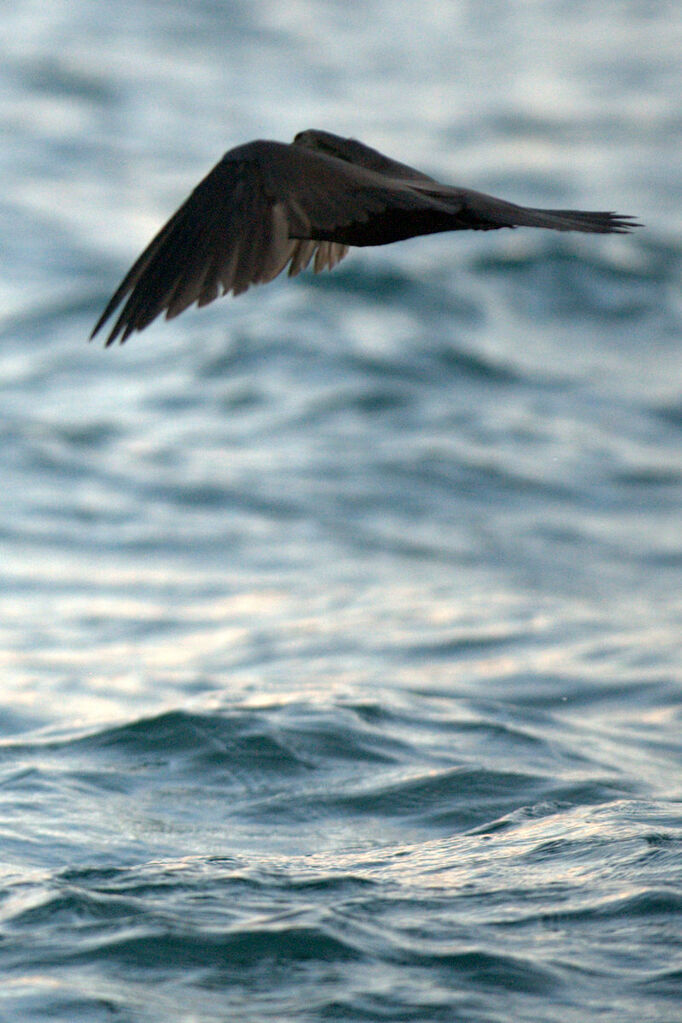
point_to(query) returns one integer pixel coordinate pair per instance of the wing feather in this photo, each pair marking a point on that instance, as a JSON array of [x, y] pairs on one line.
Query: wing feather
[[263, 206]]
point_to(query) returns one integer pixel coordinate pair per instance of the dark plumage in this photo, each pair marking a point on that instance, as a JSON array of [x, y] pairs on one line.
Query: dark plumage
[[269, 204]]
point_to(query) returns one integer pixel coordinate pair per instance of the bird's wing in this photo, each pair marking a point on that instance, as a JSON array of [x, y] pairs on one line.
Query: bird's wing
[[265, 204], [359, 154], [466, 209]]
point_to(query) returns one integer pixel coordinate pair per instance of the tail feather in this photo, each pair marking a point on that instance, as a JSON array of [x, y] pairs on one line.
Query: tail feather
[[484, 213], [575, 220]]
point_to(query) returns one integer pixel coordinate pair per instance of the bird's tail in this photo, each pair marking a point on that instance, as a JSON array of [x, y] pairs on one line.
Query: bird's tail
[[485, 213], [604, 222]]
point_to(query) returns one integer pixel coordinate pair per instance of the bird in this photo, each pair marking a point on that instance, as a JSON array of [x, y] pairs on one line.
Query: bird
[[267, 205]]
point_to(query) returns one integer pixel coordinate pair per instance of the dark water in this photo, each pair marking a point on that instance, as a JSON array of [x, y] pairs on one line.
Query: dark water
[[340, 624]]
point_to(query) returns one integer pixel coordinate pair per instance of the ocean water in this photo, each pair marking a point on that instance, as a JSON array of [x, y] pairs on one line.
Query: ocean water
[[340, 624]]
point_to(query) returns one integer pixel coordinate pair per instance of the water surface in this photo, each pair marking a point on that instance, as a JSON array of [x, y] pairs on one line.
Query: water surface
[[340, 623]]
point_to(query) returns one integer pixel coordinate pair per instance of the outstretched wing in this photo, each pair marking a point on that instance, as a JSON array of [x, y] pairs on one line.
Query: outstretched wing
[[263, 206], [467, 209]]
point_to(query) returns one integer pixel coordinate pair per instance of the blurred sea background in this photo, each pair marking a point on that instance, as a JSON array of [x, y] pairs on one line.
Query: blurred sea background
[[340, 624]]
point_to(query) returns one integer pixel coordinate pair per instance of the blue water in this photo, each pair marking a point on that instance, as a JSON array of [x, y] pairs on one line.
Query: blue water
[[340, 623]]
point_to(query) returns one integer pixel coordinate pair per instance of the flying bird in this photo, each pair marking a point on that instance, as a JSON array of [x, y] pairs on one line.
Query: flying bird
[[267, 205]]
